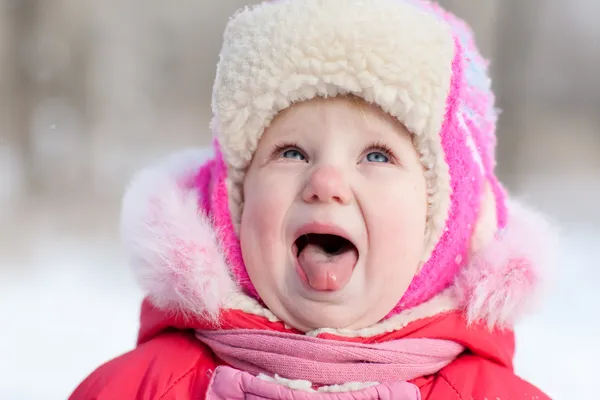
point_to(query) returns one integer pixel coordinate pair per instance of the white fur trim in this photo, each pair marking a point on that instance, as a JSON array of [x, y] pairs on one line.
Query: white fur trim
[[176, 257], [307, 386], [249, 305], [171, 246], [388, 52], [346, 387]]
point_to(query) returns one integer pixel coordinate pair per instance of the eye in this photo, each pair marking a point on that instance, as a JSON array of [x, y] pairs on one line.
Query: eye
[[378, 153], [288, 151], [377, 157], [293, 154]]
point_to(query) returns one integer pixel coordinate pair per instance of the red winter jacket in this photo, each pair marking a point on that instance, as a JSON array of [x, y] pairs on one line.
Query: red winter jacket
[[170, 363]]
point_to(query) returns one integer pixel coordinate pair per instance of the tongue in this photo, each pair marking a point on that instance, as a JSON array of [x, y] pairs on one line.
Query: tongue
[[326, 271]]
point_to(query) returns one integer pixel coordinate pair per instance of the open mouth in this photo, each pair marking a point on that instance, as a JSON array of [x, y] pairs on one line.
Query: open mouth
[[325, 261], [329, 244]]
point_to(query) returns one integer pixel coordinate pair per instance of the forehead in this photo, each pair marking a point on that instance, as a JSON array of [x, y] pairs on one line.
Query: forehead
[[347, 112]]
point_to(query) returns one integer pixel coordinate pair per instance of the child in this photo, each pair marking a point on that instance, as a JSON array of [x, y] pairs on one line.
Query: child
[[346, 237]]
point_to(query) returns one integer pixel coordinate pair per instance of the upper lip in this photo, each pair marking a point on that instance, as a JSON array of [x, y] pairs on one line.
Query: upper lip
[[323, 229]]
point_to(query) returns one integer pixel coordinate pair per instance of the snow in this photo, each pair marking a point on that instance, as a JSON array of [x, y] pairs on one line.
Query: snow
[[68, 303], [556, 347]]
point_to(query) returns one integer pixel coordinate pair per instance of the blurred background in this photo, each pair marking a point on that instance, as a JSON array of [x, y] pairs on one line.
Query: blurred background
[[90, 91]]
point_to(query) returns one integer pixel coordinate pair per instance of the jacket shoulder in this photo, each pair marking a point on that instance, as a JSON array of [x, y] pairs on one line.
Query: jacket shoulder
[[172, 365], [477, 378]]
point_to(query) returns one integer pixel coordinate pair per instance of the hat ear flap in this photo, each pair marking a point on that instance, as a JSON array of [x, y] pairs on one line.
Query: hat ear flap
[[506, 274], [218, 204]]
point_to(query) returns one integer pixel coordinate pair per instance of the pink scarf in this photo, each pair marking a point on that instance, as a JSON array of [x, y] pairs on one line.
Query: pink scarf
[[328, 362]]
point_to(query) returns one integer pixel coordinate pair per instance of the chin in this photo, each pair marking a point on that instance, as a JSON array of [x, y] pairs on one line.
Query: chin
[[319, 316]]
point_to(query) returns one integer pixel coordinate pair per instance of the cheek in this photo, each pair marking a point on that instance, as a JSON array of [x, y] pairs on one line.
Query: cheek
[[401, 223], [266, 202], [397, 227]]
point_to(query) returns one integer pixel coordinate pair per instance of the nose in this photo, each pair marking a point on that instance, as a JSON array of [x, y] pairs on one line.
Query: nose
[[327, 185]]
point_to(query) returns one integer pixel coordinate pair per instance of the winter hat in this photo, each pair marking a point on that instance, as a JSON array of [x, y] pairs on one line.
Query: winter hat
[[412, 59], [409, 57]]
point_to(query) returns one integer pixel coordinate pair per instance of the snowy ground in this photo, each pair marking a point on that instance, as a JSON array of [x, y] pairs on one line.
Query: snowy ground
[[557, 347], [68, 303]]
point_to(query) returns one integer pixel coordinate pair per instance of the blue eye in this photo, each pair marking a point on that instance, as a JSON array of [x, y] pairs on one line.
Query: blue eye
[[377, 157], [293, 154]]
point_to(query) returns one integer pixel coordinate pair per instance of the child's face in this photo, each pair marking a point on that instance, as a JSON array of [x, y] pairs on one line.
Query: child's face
[[333, 166]]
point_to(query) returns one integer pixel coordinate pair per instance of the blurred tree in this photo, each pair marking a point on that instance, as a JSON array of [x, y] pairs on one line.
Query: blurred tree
[[511, 48], [481, 16], [16, 84], [60, 65]]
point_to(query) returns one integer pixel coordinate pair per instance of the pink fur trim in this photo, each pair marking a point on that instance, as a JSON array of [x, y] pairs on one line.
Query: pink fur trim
[[505, 279], [172, 247]]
